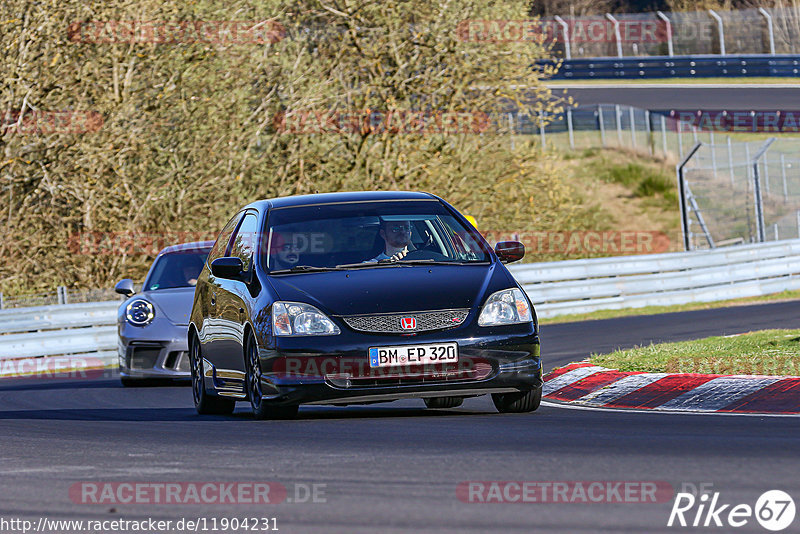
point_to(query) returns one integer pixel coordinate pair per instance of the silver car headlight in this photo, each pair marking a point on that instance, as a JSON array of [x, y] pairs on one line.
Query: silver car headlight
[[140, 312], [508, 306], [298, 319]]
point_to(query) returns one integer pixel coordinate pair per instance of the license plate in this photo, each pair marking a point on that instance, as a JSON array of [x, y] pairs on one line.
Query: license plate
[[413, 354]]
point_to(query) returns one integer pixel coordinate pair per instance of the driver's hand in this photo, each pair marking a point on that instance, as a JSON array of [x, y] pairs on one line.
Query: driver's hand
[[400, 255]]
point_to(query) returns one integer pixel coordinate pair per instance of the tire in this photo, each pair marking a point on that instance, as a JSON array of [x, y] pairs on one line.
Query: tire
[[262, 409], [443, 402], [204, 403], [521, 402]]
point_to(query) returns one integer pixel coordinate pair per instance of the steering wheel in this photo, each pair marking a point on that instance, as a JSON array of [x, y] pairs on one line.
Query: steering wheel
[[425, 255]]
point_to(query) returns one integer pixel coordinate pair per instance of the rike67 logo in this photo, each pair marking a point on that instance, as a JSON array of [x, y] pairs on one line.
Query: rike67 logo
[[774, 510]]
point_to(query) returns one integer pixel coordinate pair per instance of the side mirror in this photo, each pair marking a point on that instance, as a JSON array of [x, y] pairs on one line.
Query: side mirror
[[125, 287], [228, 267], [509, 251]]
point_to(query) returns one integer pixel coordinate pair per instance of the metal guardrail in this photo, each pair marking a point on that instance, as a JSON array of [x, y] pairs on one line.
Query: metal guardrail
[[87, 332], [83, 333], [581, 286], [700, 66]]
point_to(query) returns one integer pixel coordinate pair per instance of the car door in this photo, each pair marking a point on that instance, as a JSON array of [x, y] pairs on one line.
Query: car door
[[233, 298], [207, 294]]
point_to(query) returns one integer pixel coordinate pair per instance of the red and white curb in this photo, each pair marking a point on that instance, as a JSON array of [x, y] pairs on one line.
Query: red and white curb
[[590, 385]]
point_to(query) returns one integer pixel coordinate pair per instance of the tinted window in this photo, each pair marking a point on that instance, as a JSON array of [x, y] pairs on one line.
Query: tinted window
[[221, 245], [367, 232], [176, 270], [245, 241]]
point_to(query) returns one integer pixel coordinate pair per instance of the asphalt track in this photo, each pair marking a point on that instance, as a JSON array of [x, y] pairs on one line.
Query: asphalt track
[[733, 96], [395, 467]]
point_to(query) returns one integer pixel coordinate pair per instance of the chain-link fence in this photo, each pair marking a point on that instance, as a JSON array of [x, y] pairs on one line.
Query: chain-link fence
[[741, 192], [61, 295], [745, 31], [609, 125]]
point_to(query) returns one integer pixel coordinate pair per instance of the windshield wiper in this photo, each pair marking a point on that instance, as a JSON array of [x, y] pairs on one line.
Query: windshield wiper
[[304, 268]]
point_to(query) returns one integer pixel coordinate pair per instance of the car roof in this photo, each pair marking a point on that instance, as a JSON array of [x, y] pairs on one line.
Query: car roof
[[198, 246], [351, 196]]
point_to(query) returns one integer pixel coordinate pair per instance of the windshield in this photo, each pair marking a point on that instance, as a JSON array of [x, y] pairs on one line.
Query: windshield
[[176, 270], [368, 234]]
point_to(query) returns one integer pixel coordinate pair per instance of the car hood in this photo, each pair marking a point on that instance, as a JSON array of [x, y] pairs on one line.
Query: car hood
[[174, 304], [392, 289]]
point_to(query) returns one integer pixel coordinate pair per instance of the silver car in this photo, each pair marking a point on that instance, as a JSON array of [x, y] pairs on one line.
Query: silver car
[[153, 324]]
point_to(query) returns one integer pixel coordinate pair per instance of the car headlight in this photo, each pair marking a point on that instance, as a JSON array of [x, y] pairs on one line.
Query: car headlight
[[140, 312], [298, 319], [508, 306]]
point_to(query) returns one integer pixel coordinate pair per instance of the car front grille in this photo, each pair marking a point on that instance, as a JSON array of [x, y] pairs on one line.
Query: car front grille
[[392, 323]]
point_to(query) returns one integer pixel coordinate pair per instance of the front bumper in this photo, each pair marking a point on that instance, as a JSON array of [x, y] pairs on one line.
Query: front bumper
[[150, 354], [505, 361]]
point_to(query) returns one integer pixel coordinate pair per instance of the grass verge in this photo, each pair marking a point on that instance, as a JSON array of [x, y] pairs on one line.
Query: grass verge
[[766, 352], [653, 310]]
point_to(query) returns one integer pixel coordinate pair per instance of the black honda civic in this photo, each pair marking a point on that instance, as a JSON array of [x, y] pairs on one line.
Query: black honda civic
[[355, 298]]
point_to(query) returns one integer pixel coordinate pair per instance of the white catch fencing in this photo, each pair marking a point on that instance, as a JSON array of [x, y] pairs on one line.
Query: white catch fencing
[[33, 338], [582, 286]]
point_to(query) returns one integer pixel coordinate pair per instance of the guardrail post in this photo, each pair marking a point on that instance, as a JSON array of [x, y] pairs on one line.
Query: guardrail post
[[617, 36], [663, 17], [565, 29], [759, 203], [721, 29], [770, 30], [569, 128], [682, 194], [602, 125]]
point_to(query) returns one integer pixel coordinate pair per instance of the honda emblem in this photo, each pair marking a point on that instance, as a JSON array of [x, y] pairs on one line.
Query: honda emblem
[[408, 323]]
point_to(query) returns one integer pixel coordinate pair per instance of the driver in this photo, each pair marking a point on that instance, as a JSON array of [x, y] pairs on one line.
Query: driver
[[397, 239], [287, 253]]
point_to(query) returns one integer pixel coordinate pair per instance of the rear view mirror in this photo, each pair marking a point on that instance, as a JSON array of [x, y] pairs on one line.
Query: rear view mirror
[[229, 267], [125, 287], [509, 251]]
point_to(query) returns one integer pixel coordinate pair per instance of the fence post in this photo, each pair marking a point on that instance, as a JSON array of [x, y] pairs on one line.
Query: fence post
[[617, 113], [766, 173], [775, 228], [713, 153], [565, 29], [61, 292], [770, 30], [759, 203], [730, 159], [668, 24], [664, 134], [649, 131], [680, 138], [632, 118], [1, 293], [783, 177], [721, 29], [569, 128], [511, 129], [602, 125], [617, 36], [798, 224], [682, 196], [541, 130]]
